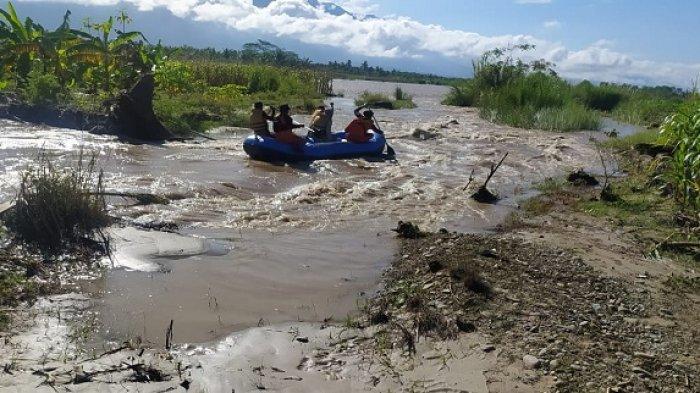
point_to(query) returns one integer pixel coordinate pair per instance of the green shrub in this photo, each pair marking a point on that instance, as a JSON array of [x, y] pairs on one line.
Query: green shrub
[[602, 98], [383, 101], [645, 111], [56, 208], [399, 94], [41, 88], [462, 94], [375, 100], [682, 131], [571, 117], [628, 142]]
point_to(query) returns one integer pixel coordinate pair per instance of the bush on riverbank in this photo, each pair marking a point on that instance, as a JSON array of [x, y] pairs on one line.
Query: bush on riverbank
[[682, 132], [382, 101], [59, 208], [530, 95]]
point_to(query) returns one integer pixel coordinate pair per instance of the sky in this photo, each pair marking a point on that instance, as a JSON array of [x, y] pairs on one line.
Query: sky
[[643, 42]]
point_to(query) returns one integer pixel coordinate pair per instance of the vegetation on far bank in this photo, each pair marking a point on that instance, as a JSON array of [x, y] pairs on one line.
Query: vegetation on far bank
[[198, 95], [85, 68], [510, 91], [263, 52]]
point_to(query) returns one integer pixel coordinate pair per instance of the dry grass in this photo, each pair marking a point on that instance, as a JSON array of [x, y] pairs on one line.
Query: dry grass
[[57, 208]]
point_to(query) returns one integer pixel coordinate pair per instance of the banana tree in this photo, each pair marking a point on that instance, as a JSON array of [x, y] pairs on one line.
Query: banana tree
[[112, 57], [21, 42]]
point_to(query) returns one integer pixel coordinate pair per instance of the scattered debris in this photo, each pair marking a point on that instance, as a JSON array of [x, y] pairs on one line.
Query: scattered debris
[[483, 195], [408, 230], [582, 178]]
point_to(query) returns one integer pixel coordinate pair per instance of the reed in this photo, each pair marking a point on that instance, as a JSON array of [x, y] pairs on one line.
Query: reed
[[57, 208]]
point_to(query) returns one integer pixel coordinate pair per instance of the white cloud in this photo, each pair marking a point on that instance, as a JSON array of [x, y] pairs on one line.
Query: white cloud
[[552, 24], [401, 37]]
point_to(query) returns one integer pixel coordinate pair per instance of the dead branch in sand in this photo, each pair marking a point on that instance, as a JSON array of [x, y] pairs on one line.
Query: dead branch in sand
[[483, 195], [169, 336], [141, 198], [606, 193], [471, 179]]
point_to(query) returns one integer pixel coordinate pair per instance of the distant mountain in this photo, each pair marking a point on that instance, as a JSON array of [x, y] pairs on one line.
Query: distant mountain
[[160, 24], [327, 7]]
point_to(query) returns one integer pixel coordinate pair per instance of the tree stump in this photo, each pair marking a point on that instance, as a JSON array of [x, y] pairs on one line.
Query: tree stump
[[133, 114]]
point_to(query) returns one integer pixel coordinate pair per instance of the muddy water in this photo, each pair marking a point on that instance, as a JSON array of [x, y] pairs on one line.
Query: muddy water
[[260, 243]]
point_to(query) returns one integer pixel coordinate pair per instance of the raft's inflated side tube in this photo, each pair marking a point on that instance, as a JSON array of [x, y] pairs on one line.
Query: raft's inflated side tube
[[269, 149]]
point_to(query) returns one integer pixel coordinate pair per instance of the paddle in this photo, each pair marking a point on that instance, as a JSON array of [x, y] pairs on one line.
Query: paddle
[[389, 150]]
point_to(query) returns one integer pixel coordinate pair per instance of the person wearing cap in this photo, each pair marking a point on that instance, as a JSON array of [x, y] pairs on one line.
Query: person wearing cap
[[284, 126], [259, 118], [357, 130], [321, 121]]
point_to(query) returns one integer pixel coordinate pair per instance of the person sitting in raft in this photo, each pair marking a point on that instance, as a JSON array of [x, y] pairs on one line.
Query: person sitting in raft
[[258, 120], [321, 121], [356, 131], [283, 126]]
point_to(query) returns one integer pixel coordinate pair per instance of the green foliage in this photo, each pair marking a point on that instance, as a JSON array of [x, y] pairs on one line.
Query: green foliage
[[537, 100], [77, 59], [528, 95], [682, 131], [383, 101], [197, 95], [41, 88], [603, 98], [645, 111], [628, 142], [56, 208], [464, 93], [175, 78]]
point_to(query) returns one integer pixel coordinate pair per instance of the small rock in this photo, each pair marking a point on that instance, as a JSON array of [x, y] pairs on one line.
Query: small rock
[[465, 326], [639, 370], [488, 348], [553, 364], [531, 362]]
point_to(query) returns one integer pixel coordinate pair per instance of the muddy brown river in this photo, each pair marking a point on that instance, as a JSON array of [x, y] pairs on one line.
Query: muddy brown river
[[259, 243]]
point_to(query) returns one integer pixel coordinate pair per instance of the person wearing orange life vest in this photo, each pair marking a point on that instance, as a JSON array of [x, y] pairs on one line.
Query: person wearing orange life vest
[[357, 130], [259, 118], [284, 126]]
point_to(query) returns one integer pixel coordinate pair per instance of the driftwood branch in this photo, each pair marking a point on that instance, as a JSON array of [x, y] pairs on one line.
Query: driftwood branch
[[169, 336], [483, 195], [471, 179], [494, 170], [141, 198]]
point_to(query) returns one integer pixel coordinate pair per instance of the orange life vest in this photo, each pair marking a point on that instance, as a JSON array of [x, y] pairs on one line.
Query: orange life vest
[[357, 130]]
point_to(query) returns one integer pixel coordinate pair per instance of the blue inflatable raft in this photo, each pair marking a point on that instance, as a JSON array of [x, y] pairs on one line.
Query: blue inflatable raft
[[269, 149]]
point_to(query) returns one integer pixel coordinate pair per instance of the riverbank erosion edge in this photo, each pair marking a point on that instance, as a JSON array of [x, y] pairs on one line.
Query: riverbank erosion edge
[[130, 115]]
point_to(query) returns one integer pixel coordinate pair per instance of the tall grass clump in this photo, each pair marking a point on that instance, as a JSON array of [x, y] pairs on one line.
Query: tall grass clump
[[682, 132], [537, 100], [602, 98], [510, 91], [401, 100], [462, 94], [58, 208]]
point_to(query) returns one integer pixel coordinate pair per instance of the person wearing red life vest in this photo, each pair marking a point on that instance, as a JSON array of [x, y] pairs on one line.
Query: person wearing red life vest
[[357, 130]]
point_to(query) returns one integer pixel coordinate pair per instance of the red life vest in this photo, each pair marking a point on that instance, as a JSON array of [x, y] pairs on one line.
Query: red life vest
[[357, 130]]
